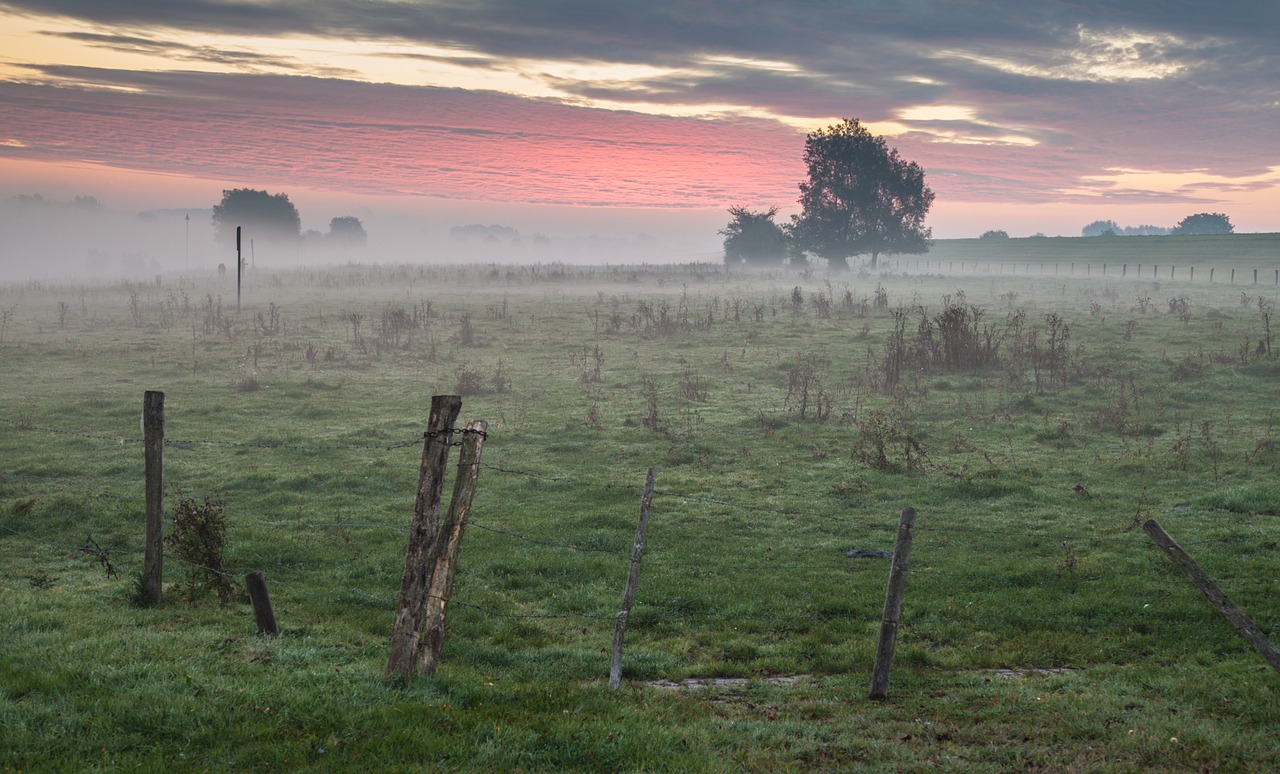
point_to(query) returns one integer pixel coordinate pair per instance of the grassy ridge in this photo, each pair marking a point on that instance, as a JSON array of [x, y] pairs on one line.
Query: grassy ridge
[[765, 402], [1230, 250]]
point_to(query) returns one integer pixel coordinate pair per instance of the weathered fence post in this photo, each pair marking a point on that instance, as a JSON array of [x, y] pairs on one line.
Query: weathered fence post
[[893, 605], [422, 536], [239, 269], [1214, 594], [446, 549], [153, 464], [633, 579], [263, 613]]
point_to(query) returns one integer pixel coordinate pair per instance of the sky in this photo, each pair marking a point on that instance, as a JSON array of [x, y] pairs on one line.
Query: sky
[[618, 122]]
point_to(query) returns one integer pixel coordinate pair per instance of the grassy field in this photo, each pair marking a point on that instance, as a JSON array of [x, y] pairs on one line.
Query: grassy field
[[1234, 251], [1033, 419]]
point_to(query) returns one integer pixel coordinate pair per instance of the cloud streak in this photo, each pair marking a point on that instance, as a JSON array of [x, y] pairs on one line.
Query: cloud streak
[[661, 104], [389, 139]]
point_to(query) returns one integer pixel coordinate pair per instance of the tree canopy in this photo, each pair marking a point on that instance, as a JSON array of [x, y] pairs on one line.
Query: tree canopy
[[1100, 227], [1111, 228], [270, 217], [1204, 223], [995, 234], [753, 238], [861, 197], [347, 230]]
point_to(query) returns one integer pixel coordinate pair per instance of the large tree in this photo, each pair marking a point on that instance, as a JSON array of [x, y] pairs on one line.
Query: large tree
[[264, 216], [1204, 223], [753, 238], [861, 197]]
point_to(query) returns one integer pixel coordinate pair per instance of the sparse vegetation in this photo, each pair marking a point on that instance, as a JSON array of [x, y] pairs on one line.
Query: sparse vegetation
[[1033, 419]]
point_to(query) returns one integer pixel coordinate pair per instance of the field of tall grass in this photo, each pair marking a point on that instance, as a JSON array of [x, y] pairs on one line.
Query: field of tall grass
[[1033, 419]]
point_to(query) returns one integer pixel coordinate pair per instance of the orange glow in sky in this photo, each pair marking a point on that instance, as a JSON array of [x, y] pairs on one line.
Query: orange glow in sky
[[665, 108]]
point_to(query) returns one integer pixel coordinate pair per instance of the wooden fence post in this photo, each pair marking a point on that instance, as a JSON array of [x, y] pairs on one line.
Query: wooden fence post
[[263, 613], [1214, 594], [422, 535], [153, 464], [446, 548], [893, 605], [633, 580]]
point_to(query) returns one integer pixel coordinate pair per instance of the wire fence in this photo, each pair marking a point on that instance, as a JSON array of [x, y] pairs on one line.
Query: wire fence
[[708, 589]]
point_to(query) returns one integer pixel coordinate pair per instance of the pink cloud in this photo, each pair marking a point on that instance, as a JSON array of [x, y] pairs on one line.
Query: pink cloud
[[381, 139]]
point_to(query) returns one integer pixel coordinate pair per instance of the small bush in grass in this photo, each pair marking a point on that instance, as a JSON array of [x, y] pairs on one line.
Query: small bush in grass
[[470, 381], [198, 537]]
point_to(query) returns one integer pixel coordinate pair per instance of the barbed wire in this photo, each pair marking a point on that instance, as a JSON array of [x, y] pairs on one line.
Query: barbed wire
[[736, 568], [549, 543], [188, 444], [741, 566], [1137, 622]]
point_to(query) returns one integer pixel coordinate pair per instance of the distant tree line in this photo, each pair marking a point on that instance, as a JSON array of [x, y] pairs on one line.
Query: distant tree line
[[273, 219], [1199, 224], [492, 233]]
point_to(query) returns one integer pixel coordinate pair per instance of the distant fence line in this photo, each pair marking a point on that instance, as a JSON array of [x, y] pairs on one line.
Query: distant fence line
[[1171, 271]]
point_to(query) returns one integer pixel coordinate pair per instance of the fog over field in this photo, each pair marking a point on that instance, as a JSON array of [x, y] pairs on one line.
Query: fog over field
[[82, 237]]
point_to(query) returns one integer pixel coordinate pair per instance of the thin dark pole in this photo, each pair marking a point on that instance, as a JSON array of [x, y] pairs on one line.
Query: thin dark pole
[[153, 464]]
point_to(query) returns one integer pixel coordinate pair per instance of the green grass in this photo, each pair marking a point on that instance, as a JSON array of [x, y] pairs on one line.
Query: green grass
[[1029, 483], [1239, 251]]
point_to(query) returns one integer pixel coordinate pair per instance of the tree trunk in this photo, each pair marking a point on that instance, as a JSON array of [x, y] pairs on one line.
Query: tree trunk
[[875, 258]]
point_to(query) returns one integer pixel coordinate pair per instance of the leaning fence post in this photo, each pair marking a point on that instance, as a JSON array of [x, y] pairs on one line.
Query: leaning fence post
[[1214, 594], [260, 598], [422, 536], [893, 605], [153, 464], [446, 550], [633, 579]]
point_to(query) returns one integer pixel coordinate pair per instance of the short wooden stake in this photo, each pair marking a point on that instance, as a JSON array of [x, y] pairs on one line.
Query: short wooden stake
[[422, 536], [440, 587], [153, 463], [1214, 594], [633, 580], [893, 605], [263, 613]]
